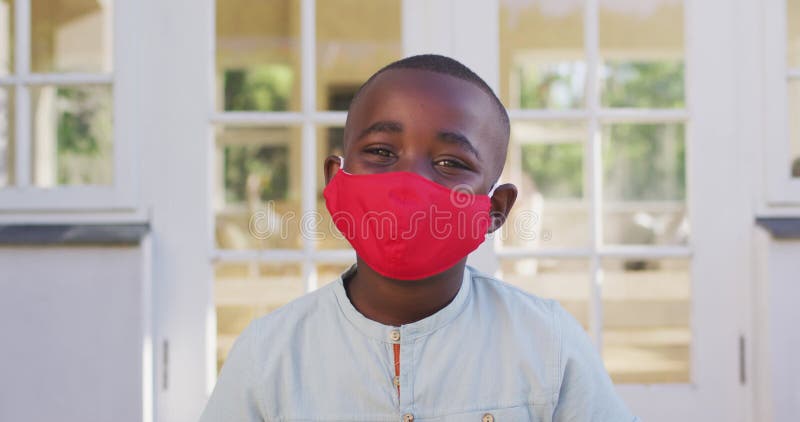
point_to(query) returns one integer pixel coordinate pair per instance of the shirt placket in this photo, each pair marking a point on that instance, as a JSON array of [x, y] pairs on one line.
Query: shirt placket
[[404, 367], [395, 338]]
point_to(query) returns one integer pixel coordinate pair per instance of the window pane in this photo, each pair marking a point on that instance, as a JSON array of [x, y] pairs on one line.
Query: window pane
[[245, 291], [329, 142], [541, 54], [71, 36], [72, 135], [566, 280], [545, 162], [257, 187], [644, 184], [327, 273], [793, 25], [6, 136], [354, 39], [258, 55], [794, 122], [641, 48], [646, 311], [6, 37]]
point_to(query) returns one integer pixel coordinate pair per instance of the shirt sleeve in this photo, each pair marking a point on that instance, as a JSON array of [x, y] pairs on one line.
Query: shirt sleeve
[[586, 392], [234, 398]]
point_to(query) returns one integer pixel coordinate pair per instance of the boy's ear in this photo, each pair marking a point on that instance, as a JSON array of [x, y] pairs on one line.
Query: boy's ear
[[502, 200], [332, 164]]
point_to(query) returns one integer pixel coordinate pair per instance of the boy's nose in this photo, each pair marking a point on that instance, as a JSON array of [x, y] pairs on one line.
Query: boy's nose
[[404, 197], [418, 165]]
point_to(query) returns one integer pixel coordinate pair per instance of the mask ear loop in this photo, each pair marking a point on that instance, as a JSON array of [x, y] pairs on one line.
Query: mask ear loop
[[492, 189], [341, 163]]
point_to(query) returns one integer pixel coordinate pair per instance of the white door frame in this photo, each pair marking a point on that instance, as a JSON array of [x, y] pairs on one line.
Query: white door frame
[[175, 73]]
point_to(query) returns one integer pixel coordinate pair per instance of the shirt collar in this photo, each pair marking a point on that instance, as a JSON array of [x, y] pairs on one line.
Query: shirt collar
[[408, 332]]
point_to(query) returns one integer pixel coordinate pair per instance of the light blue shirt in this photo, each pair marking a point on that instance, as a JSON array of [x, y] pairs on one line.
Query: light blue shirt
[[495, 353]]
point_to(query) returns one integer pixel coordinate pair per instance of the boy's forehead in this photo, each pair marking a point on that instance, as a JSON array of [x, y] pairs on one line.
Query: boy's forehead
[[420, 82], [394, 90]]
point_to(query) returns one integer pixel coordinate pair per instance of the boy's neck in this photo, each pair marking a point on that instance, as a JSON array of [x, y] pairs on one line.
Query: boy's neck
[[398, 302]]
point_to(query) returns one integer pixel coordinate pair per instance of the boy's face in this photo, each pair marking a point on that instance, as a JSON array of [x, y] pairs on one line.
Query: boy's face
[[443, 128]]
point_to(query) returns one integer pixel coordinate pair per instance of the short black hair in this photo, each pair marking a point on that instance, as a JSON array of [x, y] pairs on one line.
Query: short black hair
[[448, 66]]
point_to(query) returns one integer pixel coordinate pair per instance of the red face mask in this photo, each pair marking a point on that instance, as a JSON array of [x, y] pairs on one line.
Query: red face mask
[[405, 226]]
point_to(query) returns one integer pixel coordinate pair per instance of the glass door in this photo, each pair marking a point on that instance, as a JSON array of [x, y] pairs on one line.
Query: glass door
[[285, 73], [613, 151], [599, 153], [629, 212]]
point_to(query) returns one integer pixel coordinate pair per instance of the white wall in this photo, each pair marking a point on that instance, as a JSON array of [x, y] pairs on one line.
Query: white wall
[[777, 366], [72, 333]]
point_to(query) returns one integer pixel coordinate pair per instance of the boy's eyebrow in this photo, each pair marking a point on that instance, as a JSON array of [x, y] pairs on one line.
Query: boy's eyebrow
[[383, 126], [450, 137], [458, 139]]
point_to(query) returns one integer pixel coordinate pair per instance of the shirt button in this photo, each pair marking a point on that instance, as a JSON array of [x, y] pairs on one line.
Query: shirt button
[[396, 381], [488, 418], [395, 336], [408, 417]]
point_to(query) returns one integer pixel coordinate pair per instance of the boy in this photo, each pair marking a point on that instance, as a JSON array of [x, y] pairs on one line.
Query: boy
[[410, 333]]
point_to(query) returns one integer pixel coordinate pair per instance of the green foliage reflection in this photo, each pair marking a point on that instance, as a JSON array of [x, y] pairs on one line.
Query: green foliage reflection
[[262, 169], [260, 88]]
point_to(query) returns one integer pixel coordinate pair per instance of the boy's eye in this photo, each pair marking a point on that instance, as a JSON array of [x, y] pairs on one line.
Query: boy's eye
[[383, 152], [451, 164]]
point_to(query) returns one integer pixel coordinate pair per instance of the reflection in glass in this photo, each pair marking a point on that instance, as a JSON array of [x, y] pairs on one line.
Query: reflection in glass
[[6, 37], [354, 39], [71, 36], [646, 320], [793, 30], [258, 55], [645, 84], [644, 185], [6, 137], [541, 55], [330, 141], [260, 88], [257, 188], [565, 280], [641, 47], [245, 291], [328, 273], [545, 162], [794, 127], [72, 135]]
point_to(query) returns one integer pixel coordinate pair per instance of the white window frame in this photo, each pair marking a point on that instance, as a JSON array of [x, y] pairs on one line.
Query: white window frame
[[122, 193], [781, 189]]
